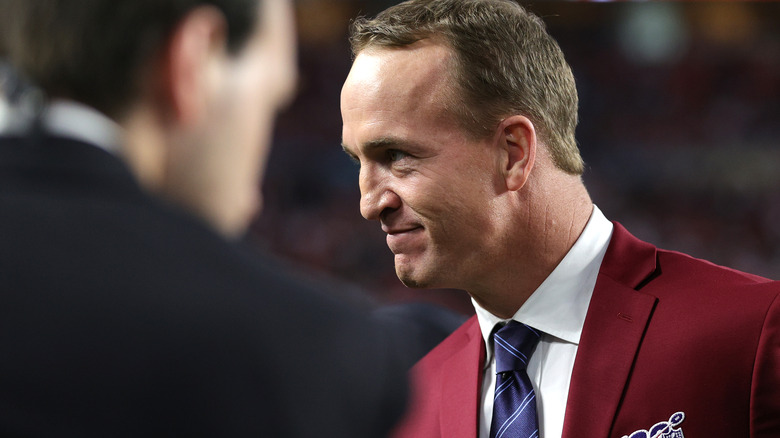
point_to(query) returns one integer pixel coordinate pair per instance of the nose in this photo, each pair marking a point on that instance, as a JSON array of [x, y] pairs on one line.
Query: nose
[[376, 195]]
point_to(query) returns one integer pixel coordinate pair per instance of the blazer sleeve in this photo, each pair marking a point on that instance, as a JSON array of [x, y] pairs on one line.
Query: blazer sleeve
[[765, 390]]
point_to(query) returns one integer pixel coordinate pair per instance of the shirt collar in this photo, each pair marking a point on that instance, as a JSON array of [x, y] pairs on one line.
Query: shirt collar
[[559, 305], [73, 120], [65, 118]]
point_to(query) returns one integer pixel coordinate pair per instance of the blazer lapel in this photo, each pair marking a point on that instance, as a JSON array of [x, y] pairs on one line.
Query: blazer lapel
[[616, 321], [461, 385]]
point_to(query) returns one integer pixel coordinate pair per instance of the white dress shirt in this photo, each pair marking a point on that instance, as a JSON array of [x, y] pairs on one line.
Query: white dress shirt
[[557, 309]]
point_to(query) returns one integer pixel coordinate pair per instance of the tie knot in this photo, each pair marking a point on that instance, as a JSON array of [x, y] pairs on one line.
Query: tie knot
[[513, 345]]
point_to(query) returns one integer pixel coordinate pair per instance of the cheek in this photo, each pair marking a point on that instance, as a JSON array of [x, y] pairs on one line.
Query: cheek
[[239, 144], [459, 189], [249, 91], [457, 211], [445, 204], [252, 112]]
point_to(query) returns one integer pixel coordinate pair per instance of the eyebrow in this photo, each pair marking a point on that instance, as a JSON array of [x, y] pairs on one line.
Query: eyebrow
[[379, 143]]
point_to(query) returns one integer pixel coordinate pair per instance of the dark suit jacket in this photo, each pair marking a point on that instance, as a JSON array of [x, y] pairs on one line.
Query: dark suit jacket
[[664, 333], [122, 316]]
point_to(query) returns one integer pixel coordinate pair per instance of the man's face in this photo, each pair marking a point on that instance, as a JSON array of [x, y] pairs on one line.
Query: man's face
[[430, 185], [226, 155]]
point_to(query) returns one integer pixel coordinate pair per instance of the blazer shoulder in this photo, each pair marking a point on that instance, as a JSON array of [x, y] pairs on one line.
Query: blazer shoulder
[[638, 264], [673, 262], [691, 280]]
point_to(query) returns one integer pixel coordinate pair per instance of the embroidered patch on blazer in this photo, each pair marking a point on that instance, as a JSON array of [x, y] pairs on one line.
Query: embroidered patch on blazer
[[662, 429]]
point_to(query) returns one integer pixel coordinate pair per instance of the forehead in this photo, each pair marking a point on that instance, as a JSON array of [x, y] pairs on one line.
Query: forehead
[[414, 76], [398, 92]]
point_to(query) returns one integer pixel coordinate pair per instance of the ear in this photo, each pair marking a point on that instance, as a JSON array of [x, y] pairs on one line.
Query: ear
[[196, 44], [517, 137]]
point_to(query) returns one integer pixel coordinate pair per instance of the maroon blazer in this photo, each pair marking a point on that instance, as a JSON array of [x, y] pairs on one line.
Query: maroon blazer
[[664, 333]]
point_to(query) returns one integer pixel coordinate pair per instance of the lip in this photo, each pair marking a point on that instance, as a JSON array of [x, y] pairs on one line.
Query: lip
[[402, 240], [400, 230]]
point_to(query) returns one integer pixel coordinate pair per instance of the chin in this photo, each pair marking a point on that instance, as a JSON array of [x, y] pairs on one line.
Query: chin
[[414, 280], [421, 272], [412, 283], [234, 225]]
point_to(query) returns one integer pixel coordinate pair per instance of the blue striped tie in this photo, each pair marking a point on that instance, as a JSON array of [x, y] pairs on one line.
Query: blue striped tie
[[514, 406]]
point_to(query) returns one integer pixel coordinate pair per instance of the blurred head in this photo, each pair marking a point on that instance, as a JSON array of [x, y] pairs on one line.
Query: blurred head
[[93, 50], [505, 63], [195, 83]]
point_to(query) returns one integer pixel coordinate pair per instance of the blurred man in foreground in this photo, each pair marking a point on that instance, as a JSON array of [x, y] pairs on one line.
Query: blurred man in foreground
[[125, 310], [461, 114]]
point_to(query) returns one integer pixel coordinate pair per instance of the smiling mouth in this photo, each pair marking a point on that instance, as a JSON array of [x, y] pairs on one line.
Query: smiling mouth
[[406, 230], [404, 240]]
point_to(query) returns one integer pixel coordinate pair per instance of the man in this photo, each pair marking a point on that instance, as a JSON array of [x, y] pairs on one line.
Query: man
[[126, 308], [461, 114]]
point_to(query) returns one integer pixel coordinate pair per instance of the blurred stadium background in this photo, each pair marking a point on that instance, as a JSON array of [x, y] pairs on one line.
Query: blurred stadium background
[[679, 128]]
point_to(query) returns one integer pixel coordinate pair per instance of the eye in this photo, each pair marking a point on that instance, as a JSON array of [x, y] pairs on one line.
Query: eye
[[395, 154]]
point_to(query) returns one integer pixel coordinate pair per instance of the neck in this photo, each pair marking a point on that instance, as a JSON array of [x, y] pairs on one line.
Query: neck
[[550, 214], [143, 148]]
